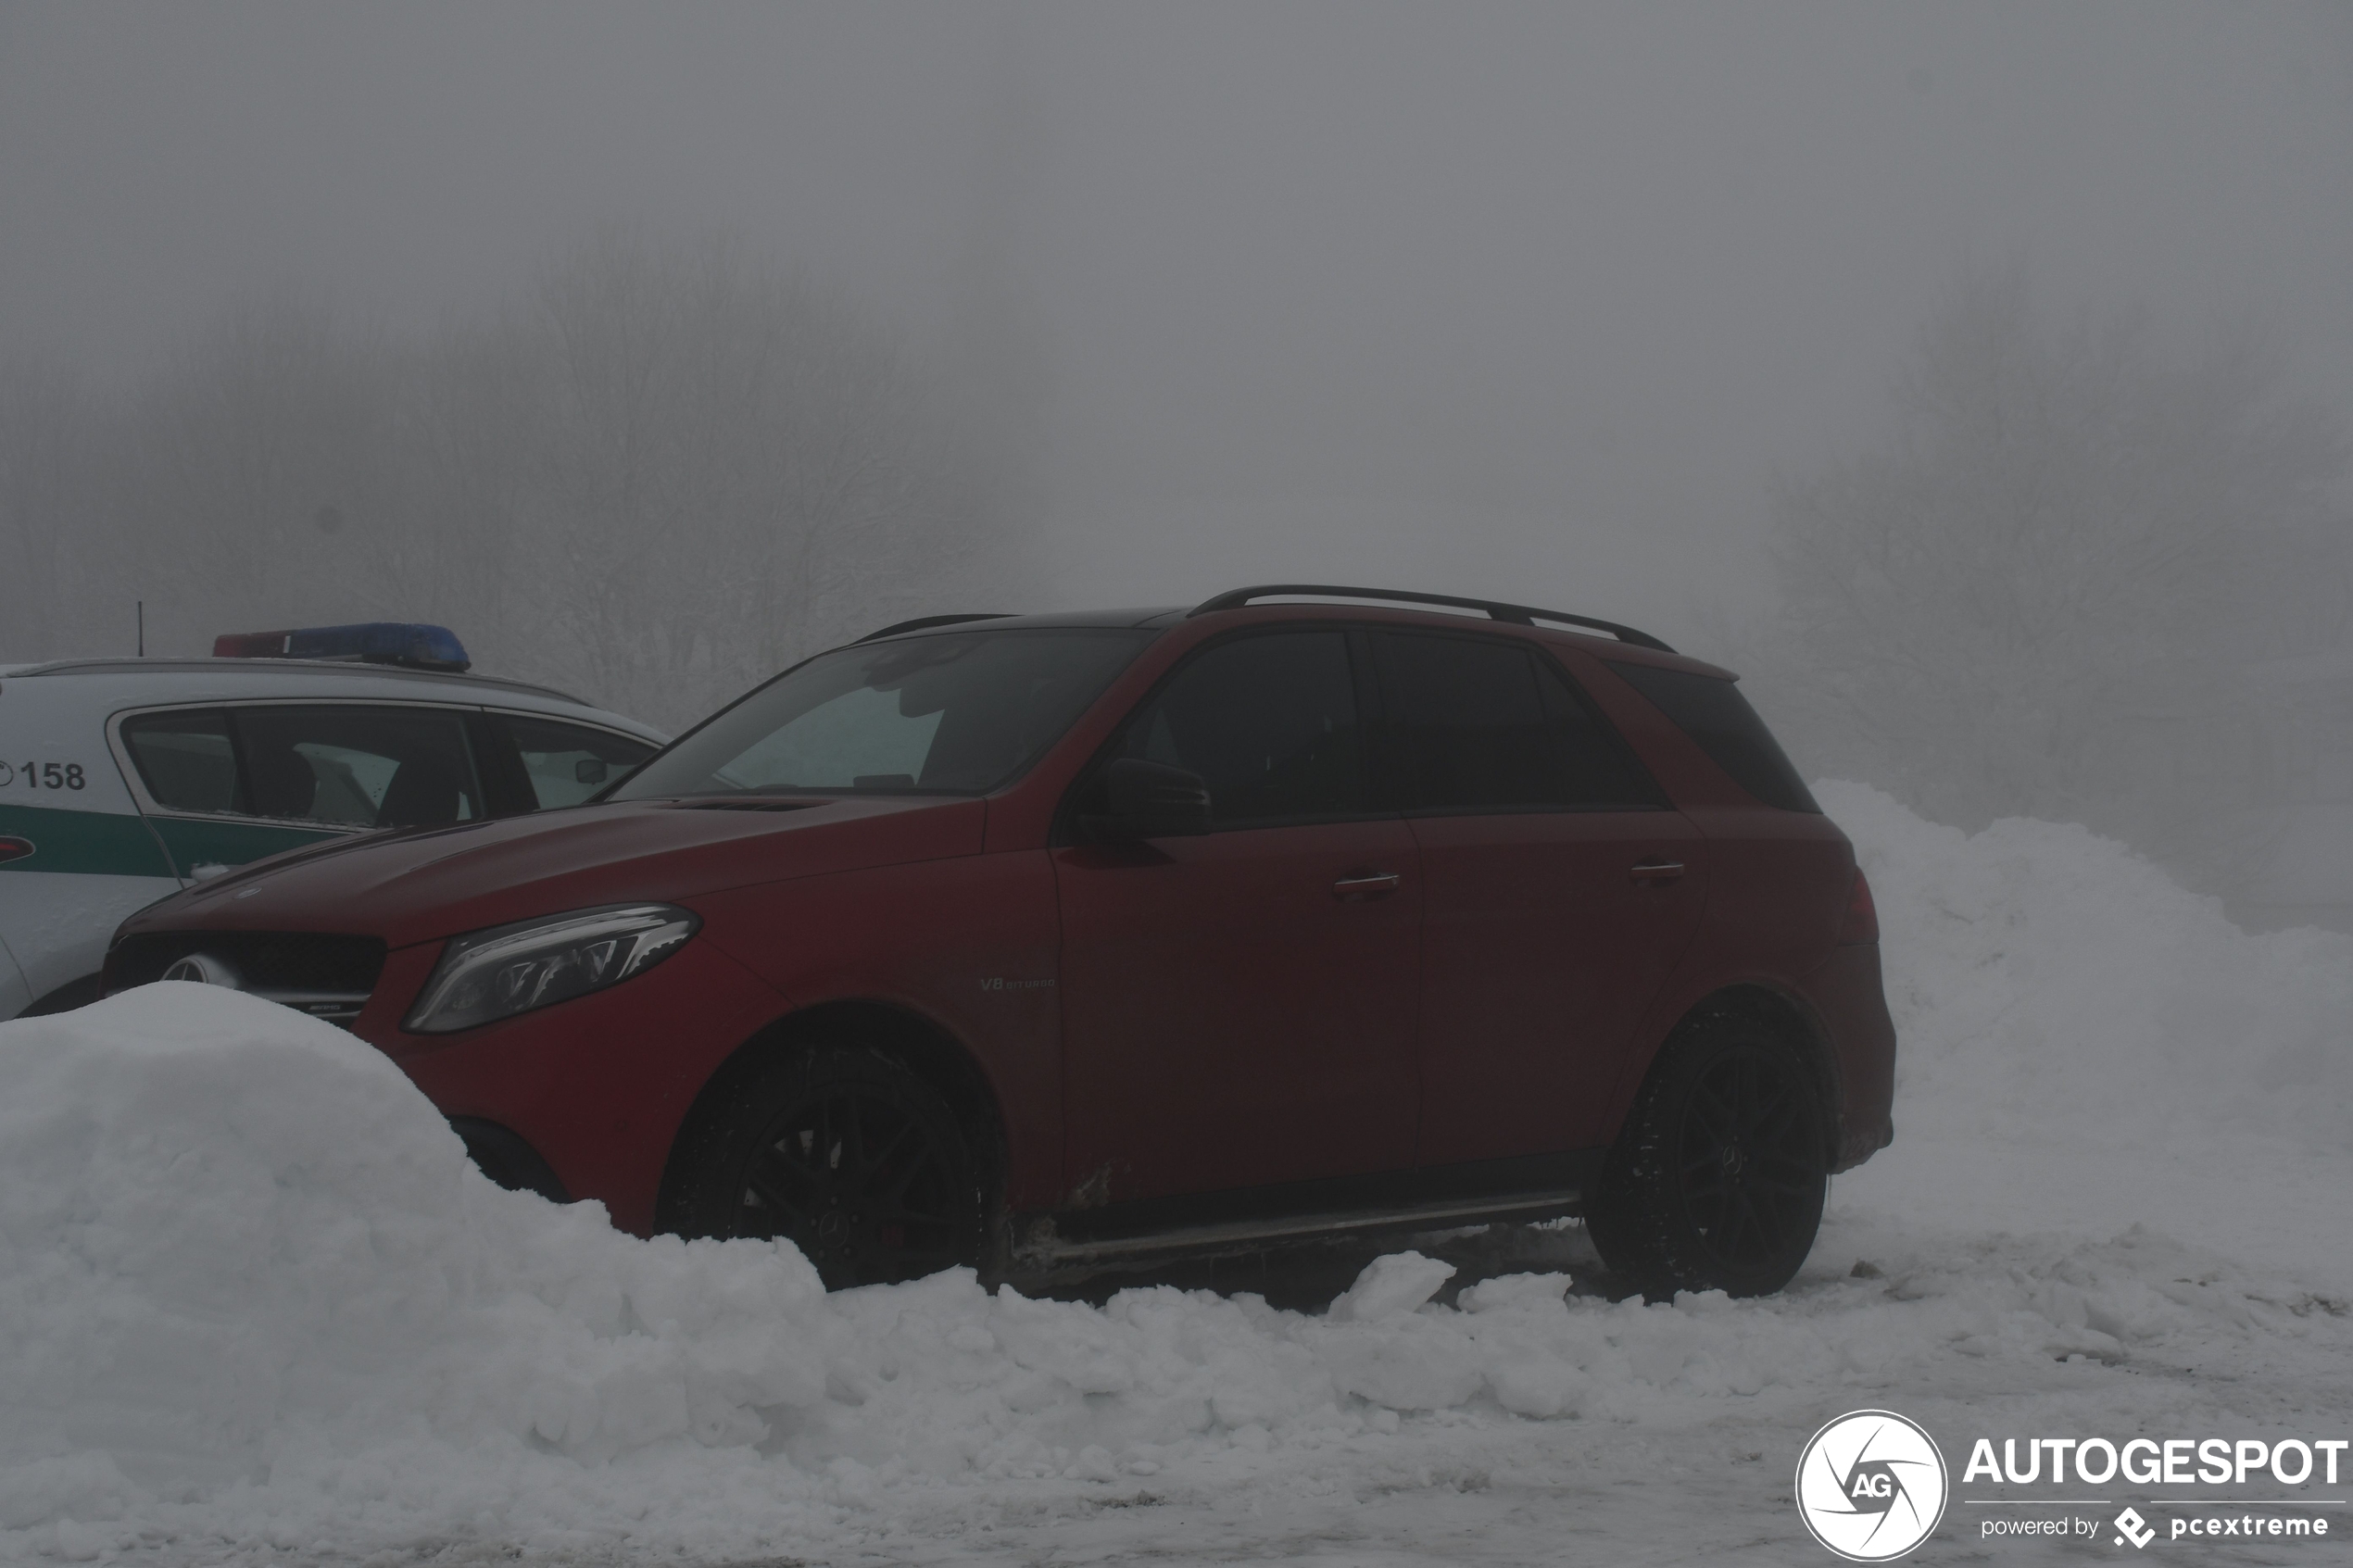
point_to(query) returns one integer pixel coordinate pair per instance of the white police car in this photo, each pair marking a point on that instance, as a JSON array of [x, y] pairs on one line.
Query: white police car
[[122, 780]]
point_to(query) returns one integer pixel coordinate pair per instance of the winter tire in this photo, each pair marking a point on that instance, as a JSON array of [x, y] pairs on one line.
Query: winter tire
[[1717, 1178], [851, 1157]]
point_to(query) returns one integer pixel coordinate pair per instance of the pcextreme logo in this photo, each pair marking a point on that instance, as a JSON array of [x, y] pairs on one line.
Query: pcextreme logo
[[1871, 1485]]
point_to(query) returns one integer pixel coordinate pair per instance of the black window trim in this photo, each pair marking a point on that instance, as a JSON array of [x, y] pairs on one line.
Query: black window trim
[[1389, 786]]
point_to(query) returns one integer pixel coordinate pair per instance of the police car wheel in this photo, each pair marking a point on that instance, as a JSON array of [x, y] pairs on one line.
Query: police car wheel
[[1718, 1179]]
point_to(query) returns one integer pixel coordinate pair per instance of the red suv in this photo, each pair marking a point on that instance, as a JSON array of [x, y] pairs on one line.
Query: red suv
[[1060, 943]]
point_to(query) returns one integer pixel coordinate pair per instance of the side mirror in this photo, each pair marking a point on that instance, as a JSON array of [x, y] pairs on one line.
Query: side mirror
[[1143, 799], [590, 770]]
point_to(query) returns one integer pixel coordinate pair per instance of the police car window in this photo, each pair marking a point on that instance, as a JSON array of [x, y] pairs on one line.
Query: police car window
[[355, 767], [953, 713], [349, 785], [184, 759], [566, 763], [359, 767]]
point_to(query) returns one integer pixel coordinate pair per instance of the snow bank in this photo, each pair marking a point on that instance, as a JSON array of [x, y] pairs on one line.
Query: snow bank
[[233, 1238], [2044, 979], [252, 1294]]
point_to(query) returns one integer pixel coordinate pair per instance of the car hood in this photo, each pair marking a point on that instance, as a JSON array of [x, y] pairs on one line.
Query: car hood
[[421, 885]]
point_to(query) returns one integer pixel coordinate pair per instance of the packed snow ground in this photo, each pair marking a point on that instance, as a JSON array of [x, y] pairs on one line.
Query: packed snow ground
[[256, 1305]]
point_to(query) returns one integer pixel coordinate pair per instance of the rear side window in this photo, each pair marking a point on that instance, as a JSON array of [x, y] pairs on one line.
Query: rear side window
[[1269, 723], [186, 760], [1711, 710], [339, 767], [566, 763], [1473, 725]]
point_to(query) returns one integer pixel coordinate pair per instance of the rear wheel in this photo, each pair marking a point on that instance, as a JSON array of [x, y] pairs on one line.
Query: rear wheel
[[851, 1157], [1718, 1179]]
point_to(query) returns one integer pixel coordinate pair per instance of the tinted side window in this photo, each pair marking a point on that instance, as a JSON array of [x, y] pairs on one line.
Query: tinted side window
[[1269, 723], [1711, 710], [356, 767], [566, 763], [1601, 768], [1473, 725], [186, 760], [338, 767]]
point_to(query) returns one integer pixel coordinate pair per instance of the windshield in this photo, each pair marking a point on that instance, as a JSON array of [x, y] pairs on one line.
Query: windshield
[[956, 713]]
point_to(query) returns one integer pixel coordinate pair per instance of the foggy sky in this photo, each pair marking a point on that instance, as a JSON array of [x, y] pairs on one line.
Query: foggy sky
[[1529, 300]]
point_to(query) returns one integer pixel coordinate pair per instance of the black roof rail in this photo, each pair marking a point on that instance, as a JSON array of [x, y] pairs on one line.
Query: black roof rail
[[925, 623], [1518, 615]]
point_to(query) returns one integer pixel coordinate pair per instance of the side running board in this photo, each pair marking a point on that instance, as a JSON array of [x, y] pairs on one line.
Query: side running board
[[1044, 1251]]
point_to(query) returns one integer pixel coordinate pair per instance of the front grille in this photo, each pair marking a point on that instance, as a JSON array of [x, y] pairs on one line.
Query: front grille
[[329, 977]]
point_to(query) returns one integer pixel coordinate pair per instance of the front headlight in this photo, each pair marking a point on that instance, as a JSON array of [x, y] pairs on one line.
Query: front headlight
[[511, 969]]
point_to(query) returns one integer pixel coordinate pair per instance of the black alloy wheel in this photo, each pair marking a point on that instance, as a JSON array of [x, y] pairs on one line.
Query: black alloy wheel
[[854, 1160], [1750, 1159], [1718, 1181]]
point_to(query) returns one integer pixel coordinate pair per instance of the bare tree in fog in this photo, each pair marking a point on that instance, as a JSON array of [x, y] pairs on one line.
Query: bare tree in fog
[[736, 470], [657, 476], [232, 477], [2044, 594]]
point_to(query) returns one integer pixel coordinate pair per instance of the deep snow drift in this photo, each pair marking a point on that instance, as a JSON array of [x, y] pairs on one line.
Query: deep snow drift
[[252, 1296], [2084, 1045]]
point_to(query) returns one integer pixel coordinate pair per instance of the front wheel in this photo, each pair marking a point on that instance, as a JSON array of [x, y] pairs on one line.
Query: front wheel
[[851, 1157], [1718, 1179]]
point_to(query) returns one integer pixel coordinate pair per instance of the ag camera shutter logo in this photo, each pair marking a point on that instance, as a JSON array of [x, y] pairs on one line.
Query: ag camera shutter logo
[[1871, 1485]]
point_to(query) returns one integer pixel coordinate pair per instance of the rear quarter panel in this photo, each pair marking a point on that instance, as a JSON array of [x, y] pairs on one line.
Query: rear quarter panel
[[1778, 887]]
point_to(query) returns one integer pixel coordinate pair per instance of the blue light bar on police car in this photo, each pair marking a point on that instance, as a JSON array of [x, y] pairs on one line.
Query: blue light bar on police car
[[376, 642]]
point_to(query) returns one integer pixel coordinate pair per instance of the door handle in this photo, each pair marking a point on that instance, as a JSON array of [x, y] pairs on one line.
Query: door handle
[[1658, 871], [1365, 884]]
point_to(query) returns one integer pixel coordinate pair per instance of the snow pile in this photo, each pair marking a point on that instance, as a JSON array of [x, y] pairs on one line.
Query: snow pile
[[253, 1296], [944, 1379], [2044, 977], [229, 1234]]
